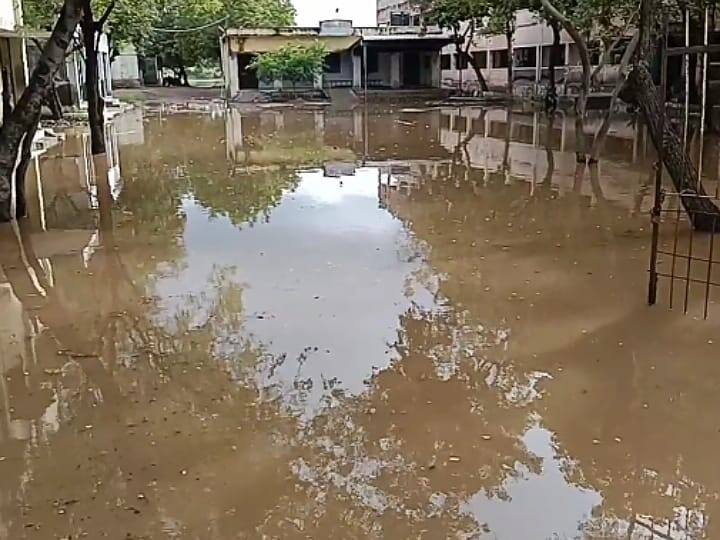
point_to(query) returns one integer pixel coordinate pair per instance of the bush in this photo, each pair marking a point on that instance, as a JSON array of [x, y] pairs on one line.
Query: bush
[[294, 63]]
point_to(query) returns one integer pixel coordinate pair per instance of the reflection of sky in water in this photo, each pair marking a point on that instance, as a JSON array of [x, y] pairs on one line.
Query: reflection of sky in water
[[327, 277], [538, 497]]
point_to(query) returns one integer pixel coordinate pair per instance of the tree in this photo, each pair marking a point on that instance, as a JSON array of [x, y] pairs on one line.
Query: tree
[[463, 18], [128, 22], [22, 122], [502, 21], [294, 63], [189, 28]]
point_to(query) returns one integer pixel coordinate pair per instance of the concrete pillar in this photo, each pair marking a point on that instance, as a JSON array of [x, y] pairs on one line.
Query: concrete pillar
[[319, 117], [358, 125], [357, 71], [435, 71], [233, 75], [396, 70]]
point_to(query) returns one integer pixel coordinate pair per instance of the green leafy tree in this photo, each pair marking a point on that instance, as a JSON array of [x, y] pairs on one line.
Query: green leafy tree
[[463, 18], [294, 63], [189, 35]]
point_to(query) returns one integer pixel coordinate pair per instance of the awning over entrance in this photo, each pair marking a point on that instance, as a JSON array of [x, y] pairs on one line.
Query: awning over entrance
[[263, 44]]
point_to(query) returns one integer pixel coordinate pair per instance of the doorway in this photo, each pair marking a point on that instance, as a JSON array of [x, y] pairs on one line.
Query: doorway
[[411, 68], [247, 76]]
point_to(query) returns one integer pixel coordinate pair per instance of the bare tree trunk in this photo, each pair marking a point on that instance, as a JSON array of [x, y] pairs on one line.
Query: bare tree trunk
[[551, 95], [25, 115], [22, 168], [96, 116], [581, 101], [549, 154], [640, 89], [602, 132], [510, 60], [467, 40], [53, 102]]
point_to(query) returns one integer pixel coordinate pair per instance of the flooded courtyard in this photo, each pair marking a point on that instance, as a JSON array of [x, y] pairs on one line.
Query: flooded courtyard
[[386, 323]]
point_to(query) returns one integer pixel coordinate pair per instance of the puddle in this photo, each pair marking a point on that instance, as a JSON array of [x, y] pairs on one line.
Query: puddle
[[371, 324]]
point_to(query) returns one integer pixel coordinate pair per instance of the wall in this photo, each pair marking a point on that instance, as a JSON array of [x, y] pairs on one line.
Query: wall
[[529, 32], [346, 70], [126, 70], [8, 17]]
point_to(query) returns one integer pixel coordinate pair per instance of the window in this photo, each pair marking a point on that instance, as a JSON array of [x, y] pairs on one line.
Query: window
[[461, 61], [559, 58], [525, 57], [480, 59], [399, 19], [499, 58], [333, 63], [445, 61]]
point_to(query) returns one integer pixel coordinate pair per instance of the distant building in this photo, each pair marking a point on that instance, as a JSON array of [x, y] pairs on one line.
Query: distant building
[[381, 58], [397, 13], [531, 53], [13, 58]]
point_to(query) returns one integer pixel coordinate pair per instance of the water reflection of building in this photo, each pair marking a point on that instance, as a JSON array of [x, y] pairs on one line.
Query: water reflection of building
[[317, 136]]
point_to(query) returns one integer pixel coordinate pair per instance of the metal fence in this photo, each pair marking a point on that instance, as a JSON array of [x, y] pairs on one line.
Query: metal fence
[[685, 262]]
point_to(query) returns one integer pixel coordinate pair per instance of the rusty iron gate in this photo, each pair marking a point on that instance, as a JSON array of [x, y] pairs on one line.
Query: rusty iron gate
[[684, 262]]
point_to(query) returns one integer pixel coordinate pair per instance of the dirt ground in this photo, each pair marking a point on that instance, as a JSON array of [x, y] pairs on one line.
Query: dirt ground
[[168, 95]]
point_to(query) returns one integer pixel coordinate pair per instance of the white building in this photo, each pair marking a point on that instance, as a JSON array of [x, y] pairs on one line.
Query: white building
[[531, 45], [13, 58]]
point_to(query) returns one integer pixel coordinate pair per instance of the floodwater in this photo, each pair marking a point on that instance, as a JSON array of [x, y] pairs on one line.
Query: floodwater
[[348, 324]]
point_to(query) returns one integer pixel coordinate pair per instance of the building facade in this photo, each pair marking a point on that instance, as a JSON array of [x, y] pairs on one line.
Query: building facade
[[531, 45], [390, 58], [397, 13]]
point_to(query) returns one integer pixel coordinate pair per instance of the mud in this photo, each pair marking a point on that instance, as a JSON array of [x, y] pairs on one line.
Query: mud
[[334, 324]]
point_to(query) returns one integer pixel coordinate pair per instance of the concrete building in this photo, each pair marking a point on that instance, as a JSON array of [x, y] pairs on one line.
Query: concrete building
[[381, 58], [531, 54], [13, 58], [397, 13]]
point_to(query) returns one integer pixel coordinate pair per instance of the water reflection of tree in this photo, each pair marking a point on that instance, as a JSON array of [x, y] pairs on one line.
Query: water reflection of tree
[[439, 426], [561, 273], [243, 197]]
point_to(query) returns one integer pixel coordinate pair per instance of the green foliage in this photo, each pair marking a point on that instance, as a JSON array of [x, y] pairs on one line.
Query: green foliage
[[178, 50], [129, 22], [453, 13], [293, 63], [133, 21]]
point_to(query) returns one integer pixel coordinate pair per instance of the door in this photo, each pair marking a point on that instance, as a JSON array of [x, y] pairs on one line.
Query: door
[[411, 69]]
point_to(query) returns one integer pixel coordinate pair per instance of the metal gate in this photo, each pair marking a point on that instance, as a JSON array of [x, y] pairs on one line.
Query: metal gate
[[684, 262]]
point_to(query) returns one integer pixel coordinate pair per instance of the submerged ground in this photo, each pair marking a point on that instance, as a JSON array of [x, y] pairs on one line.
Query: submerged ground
[[394, 323]]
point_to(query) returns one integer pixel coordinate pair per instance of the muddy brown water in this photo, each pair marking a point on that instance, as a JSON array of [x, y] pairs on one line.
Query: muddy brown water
[[393, 324]]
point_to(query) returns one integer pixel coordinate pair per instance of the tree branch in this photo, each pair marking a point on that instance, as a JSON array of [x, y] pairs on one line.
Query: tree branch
[[577, 38], [105, 16]]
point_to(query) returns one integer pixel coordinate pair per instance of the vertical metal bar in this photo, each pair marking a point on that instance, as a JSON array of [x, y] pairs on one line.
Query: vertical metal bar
[[686, 60], [674, 255], [657, 206], [710, 264], [704, 100], [689, 267]]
